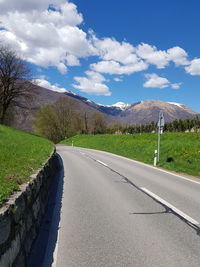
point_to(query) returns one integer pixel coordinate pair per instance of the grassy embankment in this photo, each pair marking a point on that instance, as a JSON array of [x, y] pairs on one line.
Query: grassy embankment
[[21, 154], [180, 152]]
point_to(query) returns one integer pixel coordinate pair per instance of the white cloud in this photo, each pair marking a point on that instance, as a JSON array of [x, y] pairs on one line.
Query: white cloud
[[178, 55], [110, 49], [176, 85], [27, 6], [72, 60], [161, 58], [92, 84], [46, 84], [62, 12], [155, 81], [113, 67], [152, 55], [62, 67], [95, 76], [46, 37], [194, 67], [118, 58], [118, 79], [48, 34]]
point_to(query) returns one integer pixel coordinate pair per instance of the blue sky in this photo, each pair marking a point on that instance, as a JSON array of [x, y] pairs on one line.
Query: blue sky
[[109, 51]]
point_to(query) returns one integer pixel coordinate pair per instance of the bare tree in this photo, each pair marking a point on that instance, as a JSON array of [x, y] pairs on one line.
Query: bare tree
[[14, 88], [98, 123], [86, 123]]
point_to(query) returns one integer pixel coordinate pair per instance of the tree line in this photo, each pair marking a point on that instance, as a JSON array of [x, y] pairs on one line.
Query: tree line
[[65, 118], [181, 125]]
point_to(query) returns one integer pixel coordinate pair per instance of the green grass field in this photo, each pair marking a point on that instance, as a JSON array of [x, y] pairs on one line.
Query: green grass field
[[21, 154], [180, 152]]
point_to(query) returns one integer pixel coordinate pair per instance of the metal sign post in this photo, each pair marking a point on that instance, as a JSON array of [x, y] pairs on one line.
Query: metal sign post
[[161, 123]]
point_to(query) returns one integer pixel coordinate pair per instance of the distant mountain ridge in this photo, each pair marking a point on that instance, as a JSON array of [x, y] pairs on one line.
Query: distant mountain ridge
[[142, 112], [148, 110]]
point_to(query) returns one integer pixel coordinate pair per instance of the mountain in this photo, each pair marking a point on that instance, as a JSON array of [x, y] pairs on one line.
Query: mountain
[[107, 110], [138, 113], [147, 111], [23, 118], [141, 112]]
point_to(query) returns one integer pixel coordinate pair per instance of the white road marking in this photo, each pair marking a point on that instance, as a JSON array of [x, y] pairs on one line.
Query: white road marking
[[155, 168], [50, 241], [102, 163], [55, 253], [149, 166], [177, 175], [177, 211]]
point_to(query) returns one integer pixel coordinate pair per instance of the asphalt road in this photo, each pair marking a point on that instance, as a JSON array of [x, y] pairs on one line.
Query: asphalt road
[[112, 211]]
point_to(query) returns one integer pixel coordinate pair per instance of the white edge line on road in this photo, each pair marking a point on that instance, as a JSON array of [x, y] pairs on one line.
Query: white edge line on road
[[50, 240], [152, 167], [102, 163], [55, 253], [177, 211], [99, 161]]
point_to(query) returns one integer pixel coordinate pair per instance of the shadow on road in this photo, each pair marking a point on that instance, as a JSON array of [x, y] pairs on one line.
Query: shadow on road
[[43, 249], [167, 209], [149, 213]]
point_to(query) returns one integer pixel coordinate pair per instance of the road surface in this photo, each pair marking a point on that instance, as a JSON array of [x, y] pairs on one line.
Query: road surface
[[118, 212]]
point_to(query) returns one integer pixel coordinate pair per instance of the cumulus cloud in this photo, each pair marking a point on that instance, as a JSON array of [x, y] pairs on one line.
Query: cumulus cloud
[[161, 58], [113, 67], [110, 49], [72, 60], [176, 85], [155, 81], [92, 84], [46, 37], [118, 79], [117, 58], [152, 55], [46, 84], [178, 55], [194, 67], [49, 34], [25, 6], [66, 13]]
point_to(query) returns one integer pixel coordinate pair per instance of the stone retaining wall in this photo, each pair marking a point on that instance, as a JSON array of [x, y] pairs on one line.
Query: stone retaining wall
[[21, 216]]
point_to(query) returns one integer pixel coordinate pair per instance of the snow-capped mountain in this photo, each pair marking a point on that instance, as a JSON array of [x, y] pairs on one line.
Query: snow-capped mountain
[[176, 104], [141, 112], [148, 110], [120, 105]]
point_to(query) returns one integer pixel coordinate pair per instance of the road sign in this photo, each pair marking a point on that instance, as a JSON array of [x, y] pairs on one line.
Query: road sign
[[161, 121]]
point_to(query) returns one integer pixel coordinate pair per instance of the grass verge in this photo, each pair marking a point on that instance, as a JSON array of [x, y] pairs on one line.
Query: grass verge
[[180, 152], [21, 154]]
